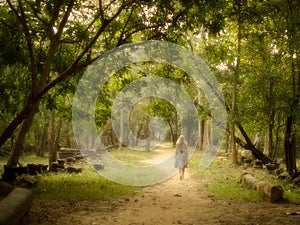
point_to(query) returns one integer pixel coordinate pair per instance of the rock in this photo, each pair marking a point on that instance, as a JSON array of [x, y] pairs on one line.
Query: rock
[[73, 169], [26, 181], [10, 173], [61, 162], [296, 180], [177, 195], [78, 156], [33, 169], [43, 167], [246, 154], [271, 168], [279, 171], [5, 188], [258, 164], [284, 175], [70, 160], [98, 166]]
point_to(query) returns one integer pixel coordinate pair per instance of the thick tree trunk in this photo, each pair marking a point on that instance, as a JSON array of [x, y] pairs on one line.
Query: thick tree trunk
[[290, 138], [18, 146], [236, 75], [206, 135], [290, 147], [174, 130], [249, 146], [27, 115]]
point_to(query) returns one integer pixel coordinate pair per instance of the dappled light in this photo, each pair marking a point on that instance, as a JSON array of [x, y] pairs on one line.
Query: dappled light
[[138, 112]]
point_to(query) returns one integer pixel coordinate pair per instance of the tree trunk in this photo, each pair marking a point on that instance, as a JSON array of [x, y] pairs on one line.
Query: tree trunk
[[201, 125], [51, 137], [42, 146], [268, 145], [54, 137], [28, 113], [235, 81], [121, 138], [206, 137], [232, 126], [290, 147], [227, 141], [18, 145], [249, 146], [175, 131], [148, 144], [292, 18], [233, 145]]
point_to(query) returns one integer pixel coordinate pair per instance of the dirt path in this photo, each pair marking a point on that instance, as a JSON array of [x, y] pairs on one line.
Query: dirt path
[[168, 203], [172, 202]]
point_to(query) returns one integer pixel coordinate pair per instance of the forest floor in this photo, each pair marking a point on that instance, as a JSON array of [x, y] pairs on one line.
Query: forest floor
[[174, 201]]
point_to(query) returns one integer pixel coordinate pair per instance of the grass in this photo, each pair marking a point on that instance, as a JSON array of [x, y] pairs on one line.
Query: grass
[[69, 186], [87, 185], [134, 157], [223, 181], [291, 192]]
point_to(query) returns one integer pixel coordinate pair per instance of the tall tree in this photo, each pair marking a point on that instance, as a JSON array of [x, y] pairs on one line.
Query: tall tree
[[292, 20], [89, 29]]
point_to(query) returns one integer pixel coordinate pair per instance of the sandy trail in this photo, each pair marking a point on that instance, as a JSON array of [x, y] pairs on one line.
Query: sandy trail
[[171, 202]]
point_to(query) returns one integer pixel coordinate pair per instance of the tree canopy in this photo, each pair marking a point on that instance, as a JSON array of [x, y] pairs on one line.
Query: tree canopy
[[251, 45]]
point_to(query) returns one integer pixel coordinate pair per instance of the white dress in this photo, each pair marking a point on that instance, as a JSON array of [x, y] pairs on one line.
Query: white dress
[[181, 158]]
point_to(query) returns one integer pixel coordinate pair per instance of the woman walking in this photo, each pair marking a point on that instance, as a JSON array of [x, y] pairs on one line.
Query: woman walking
[[181, 155]]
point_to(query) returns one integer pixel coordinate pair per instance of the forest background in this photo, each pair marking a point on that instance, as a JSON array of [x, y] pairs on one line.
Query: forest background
[[252, 46]]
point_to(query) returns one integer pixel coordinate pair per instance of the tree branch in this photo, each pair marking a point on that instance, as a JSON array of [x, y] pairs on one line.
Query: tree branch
[[23, 21]]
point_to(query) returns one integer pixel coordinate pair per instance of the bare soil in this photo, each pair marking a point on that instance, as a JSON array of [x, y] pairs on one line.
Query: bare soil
[[174, 201]]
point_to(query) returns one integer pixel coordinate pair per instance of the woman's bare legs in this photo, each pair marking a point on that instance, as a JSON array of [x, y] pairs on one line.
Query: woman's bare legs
[[181, 173]]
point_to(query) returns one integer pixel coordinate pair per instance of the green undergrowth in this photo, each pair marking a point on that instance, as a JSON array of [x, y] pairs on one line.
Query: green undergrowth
[[291, 192], [86, 185], [222, 179]]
